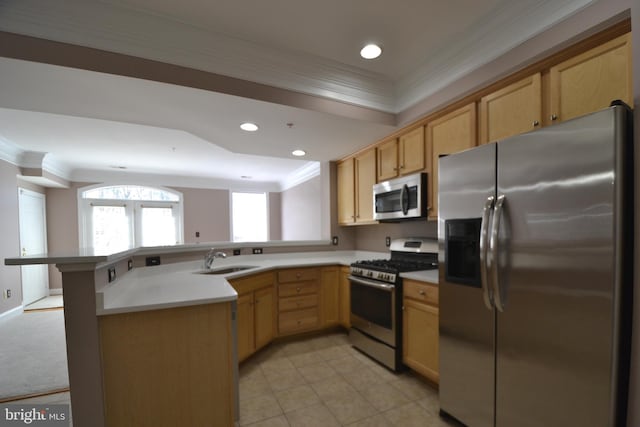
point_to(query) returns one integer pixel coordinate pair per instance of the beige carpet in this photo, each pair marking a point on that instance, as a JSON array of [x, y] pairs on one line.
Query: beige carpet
[[47, 303], [33, 353]]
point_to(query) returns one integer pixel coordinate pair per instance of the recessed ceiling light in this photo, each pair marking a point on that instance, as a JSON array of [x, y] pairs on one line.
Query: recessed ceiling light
[[371, 51], [249, 127], [298, 153]]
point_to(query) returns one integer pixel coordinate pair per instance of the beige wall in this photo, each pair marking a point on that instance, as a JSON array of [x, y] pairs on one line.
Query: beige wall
[[10, 241], [206, 211], [372, 237], [275, 216], [301, 211], [62, 225]]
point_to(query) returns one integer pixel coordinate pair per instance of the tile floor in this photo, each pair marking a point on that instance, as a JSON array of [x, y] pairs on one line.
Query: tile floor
[[323, 381]]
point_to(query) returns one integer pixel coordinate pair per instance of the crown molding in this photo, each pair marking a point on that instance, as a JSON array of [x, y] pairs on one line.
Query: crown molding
[[500, 31], [300, 175], [10, 152], [94, 175], [131, 32]]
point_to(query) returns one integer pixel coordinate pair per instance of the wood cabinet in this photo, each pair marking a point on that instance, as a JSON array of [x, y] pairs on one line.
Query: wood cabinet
[[448, 134], [256, 320], [590, 81], [346, 188], [355, 180], [420, 338], [402, 156], [298, 300], [514, 109], [329, 296], [345, 298], [168, 367]]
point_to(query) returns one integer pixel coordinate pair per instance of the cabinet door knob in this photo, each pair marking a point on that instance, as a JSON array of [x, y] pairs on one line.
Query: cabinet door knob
[[401, 166], [535, 123], [554, 117], [297, 289], [257, 301], [422, 292]]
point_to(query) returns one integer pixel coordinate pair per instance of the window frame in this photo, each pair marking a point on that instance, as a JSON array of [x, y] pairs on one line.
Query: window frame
[[133, 213]]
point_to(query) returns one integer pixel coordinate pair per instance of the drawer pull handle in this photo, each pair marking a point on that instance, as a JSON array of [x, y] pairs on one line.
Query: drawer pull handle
[[422, 292], [298, 275], [297, 289], [299, 322]]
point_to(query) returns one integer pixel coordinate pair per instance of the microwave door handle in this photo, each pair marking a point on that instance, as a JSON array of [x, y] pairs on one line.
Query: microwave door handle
[[487, 294], [498, 296], [404, 199]]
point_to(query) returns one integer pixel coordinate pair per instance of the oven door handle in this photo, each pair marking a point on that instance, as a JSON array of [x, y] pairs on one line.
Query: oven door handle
[[373, 284]]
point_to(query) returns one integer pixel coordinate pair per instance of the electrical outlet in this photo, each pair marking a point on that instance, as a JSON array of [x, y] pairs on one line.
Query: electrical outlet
[[197, 234], [152, 260], [387, 241], [257, 251], [129, 264], [334, 240], [237, 251], [8, 293], [112, 274]]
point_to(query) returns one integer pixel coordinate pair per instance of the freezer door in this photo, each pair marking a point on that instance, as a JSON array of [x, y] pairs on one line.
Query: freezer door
[[466, 182], [557, 274]]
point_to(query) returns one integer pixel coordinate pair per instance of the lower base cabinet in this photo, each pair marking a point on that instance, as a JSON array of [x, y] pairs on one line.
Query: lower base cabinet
[[153, 377], [256, 322], [345, 298], [298, 300], [420, 328]]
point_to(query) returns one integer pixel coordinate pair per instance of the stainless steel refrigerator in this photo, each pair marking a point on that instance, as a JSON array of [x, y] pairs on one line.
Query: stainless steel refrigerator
[[535, 251]]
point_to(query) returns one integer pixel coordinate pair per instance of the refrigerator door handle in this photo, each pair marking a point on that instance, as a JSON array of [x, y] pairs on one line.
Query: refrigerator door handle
[[498, 297], [487, 293]]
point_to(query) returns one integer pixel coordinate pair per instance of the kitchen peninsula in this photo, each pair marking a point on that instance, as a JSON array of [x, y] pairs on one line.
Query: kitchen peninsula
[[158, 344]]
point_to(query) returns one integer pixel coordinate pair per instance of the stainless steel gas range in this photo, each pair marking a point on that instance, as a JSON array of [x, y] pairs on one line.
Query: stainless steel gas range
[[376, 298]]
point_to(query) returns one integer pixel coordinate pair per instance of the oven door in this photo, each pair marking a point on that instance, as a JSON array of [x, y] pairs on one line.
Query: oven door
[[373, 309]]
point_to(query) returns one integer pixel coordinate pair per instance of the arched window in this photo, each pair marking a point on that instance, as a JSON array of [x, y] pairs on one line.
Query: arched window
[[114, 218]]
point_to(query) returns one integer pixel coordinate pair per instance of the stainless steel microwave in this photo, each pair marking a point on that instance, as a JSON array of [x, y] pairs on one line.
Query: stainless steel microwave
[[401, 198]]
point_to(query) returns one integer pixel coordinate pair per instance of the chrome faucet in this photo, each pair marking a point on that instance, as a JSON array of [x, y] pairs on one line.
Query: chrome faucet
[[211, 256]]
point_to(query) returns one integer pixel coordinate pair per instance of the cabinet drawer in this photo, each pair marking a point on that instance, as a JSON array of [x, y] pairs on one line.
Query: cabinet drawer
[[421, 291], [293, 289], [296, 303], [297, 275], [299, 320]]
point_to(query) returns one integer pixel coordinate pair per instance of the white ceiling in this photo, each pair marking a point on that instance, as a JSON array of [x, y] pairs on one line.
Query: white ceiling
[[93, 121]]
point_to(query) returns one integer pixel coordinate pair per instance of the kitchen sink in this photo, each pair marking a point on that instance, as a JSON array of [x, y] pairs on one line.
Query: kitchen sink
[[227, 270]]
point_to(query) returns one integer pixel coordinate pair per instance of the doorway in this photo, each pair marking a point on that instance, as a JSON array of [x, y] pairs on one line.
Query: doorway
[[33, 241]]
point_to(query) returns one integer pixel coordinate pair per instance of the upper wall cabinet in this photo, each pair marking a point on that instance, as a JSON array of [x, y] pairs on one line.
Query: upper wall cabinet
[[356, 177], [512, 110], [590, 81], [346, 191], [448, 134], [402, 156]]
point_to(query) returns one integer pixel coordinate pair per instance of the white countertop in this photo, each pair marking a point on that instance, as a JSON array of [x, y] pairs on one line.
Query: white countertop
[[430, 276], [90, 256], [179, 284]]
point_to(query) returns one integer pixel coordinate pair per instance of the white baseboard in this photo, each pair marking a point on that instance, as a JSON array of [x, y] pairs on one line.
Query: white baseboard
[[55, 291], [16, 310]]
